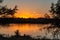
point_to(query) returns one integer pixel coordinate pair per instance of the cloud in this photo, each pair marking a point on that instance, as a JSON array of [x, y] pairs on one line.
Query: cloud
[[1, 1]]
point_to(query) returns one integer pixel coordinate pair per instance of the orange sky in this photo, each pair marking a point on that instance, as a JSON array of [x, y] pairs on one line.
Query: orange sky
[[28, 14], [29, 8]]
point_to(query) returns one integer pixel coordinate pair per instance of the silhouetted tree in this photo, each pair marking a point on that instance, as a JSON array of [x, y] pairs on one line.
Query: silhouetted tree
[[11, 11], [55, 9], [47, 16], [4, 10]]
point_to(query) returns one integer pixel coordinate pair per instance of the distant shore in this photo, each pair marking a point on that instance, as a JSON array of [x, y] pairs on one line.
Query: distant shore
[[29, 20]]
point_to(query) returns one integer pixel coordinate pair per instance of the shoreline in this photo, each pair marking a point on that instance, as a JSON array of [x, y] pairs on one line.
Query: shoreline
[[29, 20]]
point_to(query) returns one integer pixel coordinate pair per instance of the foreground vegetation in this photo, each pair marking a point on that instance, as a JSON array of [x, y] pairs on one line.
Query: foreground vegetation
[[17, 36]]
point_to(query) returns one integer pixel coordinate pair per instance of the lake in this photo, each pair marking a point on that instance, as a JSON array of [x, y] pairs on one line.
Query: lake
[[34, 30]]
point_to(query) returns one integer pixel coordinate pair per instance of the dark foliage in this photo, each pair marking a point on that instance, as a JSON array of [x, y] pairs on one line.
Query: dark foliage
[[17, 37], [55, 9], [4, 10], [29, 20]]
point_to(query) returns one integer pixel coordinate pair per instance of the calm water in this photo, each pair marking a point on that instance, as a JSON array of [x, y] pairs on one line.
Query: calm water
[[34, 30]]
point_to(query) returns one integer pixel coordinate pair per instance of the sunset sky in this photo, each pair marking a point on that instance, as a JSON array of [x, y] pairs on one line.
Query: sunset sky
[[30, 8]]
